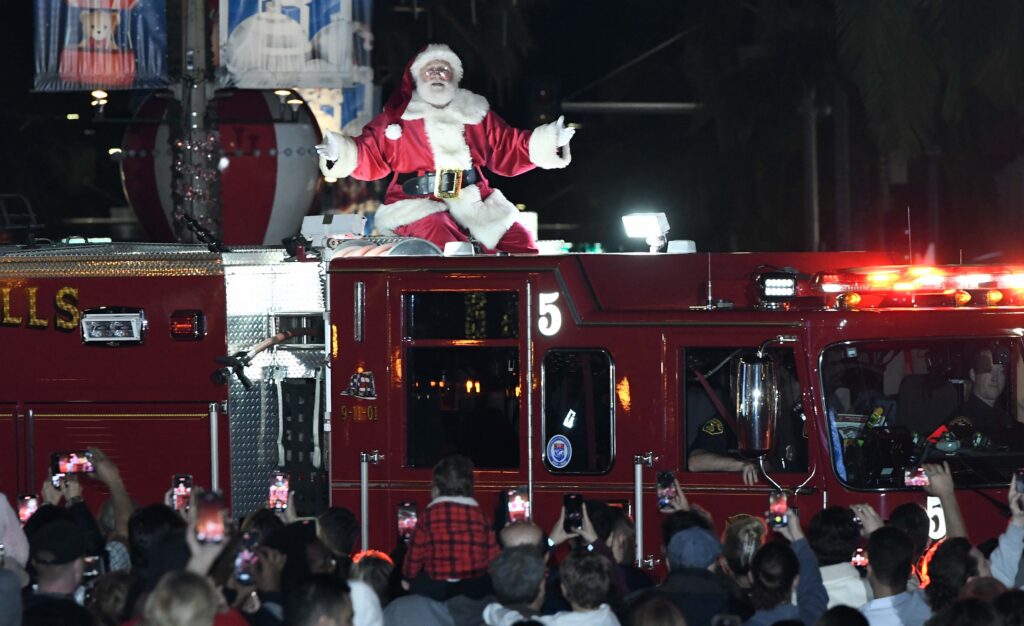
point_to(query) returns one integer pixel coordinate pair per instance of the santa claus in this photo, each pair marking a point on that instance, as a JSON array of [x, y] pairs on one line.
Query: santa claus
[[433, 138]]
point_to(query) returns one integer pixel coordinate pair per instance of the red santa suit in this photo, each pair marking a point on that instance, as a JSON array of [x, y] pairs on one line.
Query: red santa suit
[[463, 135]]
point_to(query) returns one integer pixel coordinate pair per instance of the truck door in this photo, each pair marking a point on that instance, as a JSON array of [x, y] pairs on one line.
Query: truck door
[[710, 469], [460, 371]]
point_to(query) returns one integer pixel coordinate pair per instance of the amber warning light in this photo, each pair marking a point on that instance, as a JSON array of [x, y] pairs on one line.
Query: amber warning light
[[188, 325]]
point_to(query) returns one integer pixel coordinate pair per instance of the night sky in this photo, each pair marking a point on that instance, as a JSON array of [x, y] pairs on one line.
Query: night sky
[[730, 177]]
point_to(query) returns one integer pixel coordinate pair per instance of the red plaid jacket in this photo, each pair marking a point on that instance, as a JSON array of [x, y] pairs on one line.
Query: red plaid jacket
[[452, 541]]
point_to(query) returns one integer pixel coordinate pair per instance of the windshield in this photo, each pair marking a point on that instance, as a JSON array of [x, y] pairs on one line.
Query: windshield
[[895, 404]]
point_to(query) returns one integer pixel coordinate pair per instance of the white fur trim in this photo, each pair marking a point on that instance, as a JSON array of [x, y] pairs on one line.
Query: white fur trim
[[466, 107], [433, 52], [487, 220], [464, 500], [393, 131], [404, 212], [544, 148], [346, 163], [446, 127]]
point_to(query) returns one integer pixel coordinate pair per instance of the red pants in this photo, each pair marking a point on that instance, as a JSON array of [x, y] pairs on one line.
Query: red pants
[[439, 228]]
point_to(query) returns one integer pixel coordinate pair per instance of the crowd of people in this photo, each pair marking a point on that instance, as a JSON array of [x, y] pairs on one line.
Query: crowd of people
[[146, 566]]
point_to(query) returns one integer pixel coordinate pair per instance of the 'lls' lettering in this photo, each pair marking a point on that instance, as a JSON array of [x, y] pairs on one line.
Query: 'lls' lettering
[[33, 320], [68, 314], [8, 319]]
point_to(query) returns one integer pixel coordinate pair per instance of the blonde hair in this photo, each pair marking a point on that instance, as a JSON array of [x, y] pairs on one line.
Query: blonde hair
[[181, 599], [742, 537]]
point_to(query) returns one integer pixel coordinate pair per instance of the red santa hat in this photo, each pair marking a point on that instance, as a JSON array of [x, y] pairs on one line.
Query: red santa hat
[[437, 52], [400, 97]]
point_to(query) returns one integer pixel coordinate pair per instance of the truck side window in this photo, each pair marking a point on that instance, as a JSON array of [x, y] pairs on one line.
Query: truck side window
[[894, 403], [709, 389], [579, 411], [462, 399]]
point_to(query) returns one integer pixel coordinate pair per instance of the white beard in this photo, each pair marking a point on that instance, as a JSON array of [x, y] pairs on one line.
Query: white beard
[[438, 94]]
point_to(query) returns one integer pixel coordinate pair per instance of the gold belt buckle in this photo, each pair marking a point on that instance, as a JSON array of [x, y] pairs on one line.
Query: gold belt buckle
[[447, 183]]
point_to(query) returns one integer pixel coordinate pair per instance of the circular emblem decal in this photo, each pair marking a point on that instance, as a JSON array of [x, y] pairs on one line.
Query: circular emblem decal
[[559, 451]]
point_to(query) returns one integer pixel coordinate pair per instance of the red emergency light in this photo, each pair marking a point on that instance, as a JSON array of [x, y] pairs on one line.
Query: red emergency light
[[188, 325], [922, 285]]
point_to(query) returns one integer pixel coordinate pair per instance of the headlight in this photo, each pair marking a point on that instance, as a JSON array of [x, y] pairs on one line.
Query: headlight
[[113, 326]]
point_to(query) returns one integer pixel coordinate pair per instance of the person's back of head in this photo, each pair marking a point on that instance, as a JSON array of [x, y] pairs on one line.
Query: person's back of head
[[453, 476], [338, 529], [321, 601], [524, 534], [984, 588], [517, 575], [681, 520], [1010, 607], [373, 568], [181, 598], [147, 527], [110, 593], [585, 580], [833, 535], [740, 541], [262, 522], [950, 566], [773, 572], [658, 611], [969, 612], [890, 560], [842, 615], [912, 519], [56, 553]]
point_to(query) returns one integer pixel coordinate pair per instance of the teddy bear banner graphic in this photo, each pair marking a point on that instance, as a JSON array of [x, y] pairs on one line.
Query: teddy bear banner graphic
[[110, 44]]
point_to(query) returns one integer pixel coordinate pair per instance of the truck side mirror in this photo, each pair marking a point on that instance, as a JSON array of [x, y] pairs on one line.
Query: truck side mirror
[[757, 404]]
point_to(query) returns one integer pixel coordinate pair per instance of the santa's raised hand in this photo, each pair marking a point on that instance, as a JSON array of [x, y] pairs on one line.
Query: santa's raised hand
[[564, 135], [330, 149]]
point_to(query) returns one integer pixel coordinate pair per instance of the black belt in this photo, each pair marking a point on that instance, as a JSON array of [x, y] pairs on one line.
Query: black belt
[[452, 181]]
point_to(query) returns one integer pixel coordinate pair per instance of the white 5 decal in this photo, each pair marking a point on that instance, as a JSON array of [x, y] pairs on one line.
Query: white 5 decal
[[549, 317], [937, 528]]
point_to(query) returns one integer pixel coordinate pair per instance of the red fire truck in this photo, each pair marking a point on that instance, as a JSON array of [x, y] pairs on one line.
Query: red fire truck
[[358, 369]]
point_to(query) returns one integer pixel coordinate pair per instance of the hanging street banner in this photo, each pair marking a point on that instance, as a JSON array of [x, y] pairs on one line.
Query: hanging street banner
[[100, 44], [272, 44]]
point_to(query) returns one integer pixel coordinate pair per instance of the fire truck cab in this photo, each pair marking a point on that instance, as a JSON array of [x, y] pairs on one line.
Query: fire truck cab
[[832, 375], [591, 373]]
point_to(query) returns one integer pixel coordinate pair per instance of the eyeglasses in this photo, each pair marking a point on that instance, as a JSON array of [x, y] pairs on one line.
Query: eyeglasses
[[438, 71]]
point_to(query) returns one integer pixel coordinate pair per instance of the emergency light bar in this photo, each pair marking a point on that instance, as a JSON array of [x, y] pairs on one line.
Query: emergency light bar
[[961, 285], [113, 326]]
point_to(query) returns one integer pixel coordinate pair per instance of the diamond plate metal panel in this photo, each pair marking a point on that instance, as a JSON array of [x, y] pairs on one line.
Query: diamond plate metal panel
[[257, 289], [112, 260]]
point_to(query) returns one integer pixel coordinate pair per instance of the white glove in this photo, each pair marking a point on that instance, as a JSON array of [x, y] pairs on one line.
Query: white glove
[[563, 134], [331, 148]]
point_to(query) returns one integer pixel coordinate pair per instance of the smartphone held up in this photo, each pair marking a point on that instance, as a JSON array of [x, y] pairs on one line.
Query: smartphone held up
[[406, 519], [778, 509], [277, 496], [27, 506], [181, 492], [210, 515], [518, 504], [573, 504], [916, 477], [666, 489], [71, 462]]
